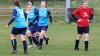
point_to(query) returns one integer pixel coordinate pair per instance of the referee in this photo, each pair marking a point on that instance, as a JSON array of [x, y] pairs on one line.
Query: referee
[[82, 15]]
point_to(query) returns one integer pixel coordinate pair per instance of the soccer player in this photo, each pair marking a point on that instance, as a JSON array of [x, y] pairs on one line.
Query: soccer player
[[32, 14], [83, 15], [19, 28], [44, 16]]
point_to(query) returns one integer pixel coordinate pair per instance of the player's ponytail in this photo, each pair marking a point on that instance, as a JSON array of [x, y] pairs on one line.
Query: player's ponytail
[[16, 3]]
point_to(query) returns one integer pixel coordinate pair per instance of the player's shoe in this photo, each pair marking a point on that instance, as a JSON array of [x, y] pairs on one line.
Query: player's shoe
[[47, 40], [14, 52], [86, 49], [25, 52], [30, 46], [76, 49], [39, 47]]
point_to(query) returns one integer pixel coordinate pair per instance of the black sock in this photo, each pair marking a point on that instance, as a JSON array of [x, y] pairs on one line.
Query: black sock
[[37, 38], [86, 45], [45, 38], [30, 40], [35, 41], [14, 44], [41, 42], [76, 43], [25, 46]]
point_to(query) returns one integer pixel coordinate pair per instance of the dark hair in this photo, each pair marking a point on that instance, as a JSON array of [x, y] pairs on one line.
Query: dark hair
[[84, 2], [30, 1], [16, 3]]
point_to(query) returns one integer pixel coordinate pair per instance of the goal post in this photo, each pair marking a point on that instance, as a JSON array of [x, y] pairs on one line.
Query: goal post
[[67, 12]]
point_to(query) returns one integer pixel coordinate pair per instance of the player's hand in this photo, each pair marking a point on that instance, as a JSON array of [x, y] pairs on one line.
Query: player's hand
[[88, 20], [7, 25], [79, 20]]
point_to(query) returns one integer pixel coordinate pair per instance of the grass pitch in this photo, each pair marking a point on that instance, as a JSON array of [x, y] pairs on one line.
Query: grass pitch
[[61, 42]]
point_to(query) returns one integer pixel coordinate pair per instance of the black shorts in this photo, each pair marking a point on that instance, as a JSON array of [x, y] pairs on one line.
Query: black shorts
[[17, 31], [82, 30]]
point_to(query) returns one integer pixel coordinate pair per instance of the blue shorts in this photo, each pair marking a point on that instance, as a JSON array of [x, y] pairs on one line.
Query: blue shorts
[[33, 28], [16, 31], [30, 24], [42, 28]]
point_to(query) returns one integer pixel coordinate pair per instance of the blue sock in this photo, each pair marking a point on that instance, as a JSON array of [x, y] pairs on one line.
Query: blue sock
[[14, 43], [25, 46]]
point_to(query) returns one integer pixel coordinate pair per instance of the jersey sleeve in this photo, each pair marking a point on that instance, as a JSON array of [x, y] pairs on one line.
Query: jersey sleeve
[[50, 17], [14, 13]]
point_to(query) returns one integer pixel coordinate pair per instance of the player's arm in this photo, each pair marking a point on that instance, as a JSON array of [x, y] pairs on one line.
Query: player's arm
[[13, 17], [91, 14], [75, 14], [50, 17], [37, 15]]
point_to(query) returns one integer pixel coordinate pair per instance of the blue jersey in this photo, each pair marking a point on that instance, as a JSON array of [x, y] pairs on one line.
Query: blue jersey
[[19, 21], [31, 15], [43, 17]]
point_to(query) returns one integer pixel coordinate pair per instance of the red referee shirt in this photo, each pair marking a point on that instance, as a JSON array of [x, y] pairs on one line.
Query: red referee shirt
[[83, 16]]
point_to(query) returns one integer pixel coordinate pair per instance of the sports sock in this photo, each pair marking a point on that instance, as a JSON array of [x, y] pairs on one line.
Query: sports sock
[[35, 41], [30, 40], [14, 43], [25, 46], [76, 43], [41, 42], [86, 45]]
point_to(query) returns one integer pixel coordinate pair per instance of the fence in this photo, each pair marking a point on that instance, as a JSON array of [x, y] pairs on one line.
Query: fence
[[58, 14]]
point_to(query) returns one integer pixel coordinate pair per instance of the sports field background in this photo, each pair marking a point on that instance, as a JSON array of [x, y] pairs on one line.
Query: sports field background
[[61, 35]]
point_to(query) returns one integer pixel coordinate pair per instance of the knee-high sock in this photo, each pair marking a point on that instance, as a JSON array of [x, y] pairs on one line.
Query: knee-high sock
[[30, 40], [86, 45], [37, 38], [45, 38], [14, 44], [76, 43], [25, 46], [35, 41], [41, 42]]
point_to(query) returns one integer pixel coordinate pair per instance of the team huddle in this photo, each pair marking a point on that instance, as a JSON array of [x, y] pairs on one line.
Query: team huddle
[[33, 22]]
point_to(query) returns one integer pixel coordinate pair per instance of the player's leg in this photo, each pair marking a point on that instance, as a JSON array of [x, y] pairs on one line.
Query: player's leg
[[42, 33], [29, 38], [79, 35], [37, 36], [14, 44], [86, 36], [22, 36], [33, 31], [13, 40], [46, 39], [41, 38]]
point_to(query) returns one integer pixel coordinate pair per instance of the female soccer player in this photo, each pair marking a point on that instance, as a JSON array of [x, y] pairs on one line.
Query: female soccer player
[[83, 15], [44, 14], [32, 14], [19, 27]]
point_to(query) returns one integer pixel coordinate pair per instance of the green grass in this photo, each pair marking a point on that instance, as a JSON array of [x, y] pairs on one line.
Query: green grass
[[61, 42], [62, 36]]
